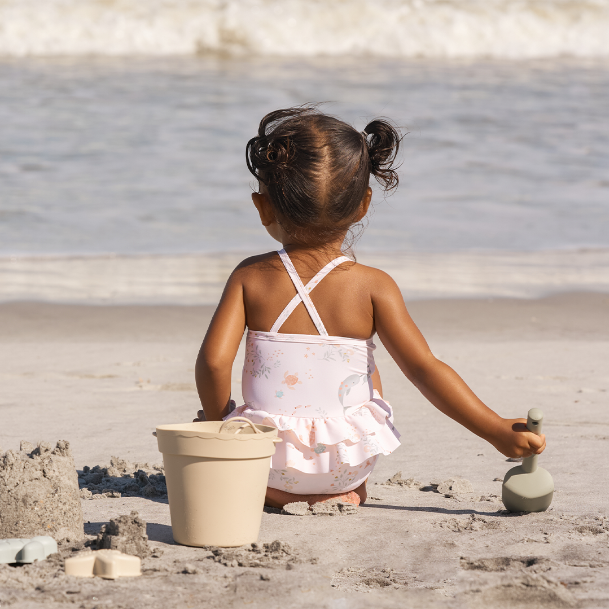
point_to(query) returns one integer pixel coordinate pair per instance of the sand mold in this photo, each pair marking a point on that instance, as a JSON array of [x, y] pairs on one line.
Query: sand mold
[[26, 550], [108, 564]]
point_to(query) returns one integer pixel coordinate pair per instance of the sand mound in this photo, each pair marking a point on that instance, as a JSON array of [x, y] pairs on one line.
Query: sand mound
[[507, 563], [530, 591], [122, 479], [39, 492], [366, 580], [331, 507], [272, 555], [127, 534], [397, 480], [454, 486]]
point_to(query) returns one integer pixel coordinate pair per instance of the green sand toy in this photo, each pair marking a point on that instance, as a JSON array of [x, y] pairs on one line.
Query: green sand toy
[[528, 488]]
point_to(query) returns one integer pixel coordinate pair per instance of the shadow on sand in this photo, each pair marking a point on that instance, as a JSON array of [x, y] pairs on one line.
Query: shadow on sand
[[437, 510]]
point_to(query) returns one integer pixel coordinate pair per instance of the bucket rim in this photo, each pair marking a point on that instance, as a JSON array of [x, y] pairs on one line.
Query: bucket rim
[[180, 430]]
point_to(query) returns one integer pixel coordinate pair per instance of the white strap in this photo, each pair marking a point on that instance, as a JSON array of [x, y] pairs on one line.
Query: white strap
[[297, 300], [303, 292]]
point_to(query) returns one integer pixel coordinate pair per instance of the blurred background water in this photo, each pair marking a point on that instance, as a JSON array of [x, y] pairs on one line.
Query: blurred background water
[[123, 125], [147, 156]]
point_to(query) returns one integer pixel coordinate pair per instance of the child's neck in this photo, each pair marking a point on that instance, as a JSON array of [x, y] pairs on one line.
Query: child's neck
[[328, 251]]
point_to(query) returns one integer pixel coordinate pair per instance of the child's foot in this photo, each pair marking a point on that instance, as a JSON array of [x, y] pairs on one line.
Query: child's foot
[[277, 499], [350, 497]]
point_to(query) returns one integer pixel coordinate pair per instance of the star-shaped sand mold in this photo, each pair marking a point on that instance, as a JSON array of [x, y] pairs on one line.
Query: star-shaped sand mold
[[109, 564], [26, 550]]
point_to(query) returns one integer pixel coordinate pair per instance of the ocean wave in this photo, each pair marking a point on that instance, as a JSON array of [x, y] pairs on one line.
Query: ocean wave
[[198, 279], [512, 29]]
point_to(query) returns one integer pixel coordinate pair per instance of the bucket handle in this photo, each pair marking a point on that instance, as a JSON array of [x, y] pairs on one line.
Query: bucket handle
[[244, 424]]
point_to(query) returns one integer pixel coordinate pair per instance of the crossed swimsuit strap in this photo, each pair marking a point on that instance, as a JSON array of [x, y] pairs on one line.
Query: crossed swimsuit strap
[[303, 291]]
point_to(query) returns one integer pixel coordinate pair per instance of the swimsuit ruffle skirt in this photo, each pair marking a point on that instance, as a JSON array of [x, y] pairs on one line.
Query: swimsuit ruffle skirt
[[317, 391]]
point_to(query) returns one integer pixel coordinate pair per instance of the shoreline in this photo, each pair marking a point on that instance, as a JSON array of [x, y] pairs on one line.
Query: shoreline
[[198, 279]]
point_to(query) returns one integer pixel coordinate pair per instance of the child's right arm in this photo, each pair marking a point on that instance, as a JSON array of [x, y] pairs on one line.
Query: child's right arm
[[439, 383], [215, 361]]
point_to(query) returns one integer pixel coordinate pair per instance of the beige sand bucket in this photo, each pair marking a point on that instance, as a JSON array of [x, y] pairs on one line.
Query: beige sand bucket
[[217, 474]]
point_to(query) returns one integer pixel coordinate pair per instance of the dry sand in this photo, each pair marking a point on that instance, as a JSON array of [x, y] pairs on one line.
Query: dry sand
[[104, 377]]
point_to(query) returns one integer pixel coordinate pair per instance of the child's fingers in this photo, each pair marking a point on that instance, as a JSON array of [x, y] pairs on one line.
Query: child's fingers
[[525, 442], [538, 443]]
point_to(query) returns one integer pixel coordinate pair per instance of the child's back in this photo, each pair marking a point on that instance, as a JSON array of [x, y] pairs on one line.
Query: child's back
[[343, 299]]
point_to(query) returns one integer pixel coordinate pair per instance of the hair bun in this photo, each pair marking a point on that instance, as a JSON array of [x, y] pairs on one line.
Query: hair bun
[[280, 151], [269, 152], [383, 143]]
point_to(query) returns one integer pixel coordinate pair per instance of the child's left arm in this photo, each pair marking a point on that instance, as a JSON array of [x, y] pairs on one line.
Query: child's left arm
[[438, 382], [217, 354]]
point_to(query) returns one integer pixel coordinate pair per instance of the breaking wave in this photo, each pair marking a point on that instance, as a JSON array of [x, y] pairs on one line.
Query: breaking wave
[[383, 28]]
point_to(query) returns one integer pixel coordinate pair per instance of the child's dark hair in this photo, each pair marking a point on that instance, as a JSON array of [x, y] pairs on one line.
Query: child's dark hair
[[316, 168]]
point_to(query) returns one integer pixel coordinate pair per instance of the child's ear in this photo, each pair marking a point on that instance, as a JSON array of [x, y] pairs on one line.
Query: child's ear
[[364, 205], [267, 216]]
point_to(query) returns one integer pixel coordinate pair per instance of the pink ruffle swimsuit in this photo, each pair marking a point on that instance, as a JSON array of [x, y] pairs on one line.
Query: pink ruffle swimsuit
[[317, 391]]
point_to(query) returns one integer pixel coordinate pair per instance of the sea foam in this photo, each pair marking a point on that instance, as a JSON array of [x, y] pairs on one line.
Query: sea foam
[[383, 28], [198, 279]]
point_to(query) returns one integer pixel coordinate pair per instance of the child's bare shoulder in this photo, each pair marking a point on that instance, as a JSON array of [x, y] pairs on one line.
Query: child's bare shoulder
[[376, 280], [254, 272], [254, 266]]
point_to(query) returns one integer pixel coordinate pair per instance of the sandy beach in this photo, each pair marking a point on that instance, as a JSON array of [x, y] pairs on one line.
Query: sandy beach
[[102, 377]]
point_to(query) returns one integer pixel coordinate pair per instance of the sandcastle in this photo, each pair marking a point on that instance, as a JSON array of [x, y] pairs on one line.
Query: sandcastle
[[39, 493]]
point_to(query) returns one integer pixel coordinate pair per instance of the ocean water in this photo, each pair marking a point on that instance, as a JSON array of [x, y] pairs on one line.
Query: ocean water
[[144, 156], [123, 126]]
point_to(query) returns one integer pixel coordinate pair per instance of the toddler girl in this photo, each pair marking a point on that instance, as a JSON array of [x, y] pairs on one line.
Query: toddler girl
[[311, 314]]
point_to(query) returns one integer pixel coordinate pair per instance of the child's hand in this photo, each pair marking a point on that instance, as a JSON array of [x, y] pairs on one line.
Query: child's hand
[[513, 439], [201, 413]]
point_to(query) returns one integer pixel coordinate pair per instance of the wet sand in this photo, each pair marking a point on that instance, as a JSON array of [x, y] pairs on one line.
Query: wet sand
[[104, 377]]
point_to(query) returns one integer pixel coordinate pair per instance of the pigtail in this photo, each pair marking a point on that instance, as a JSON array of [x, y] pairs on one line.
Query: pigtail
[[383, 143]]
